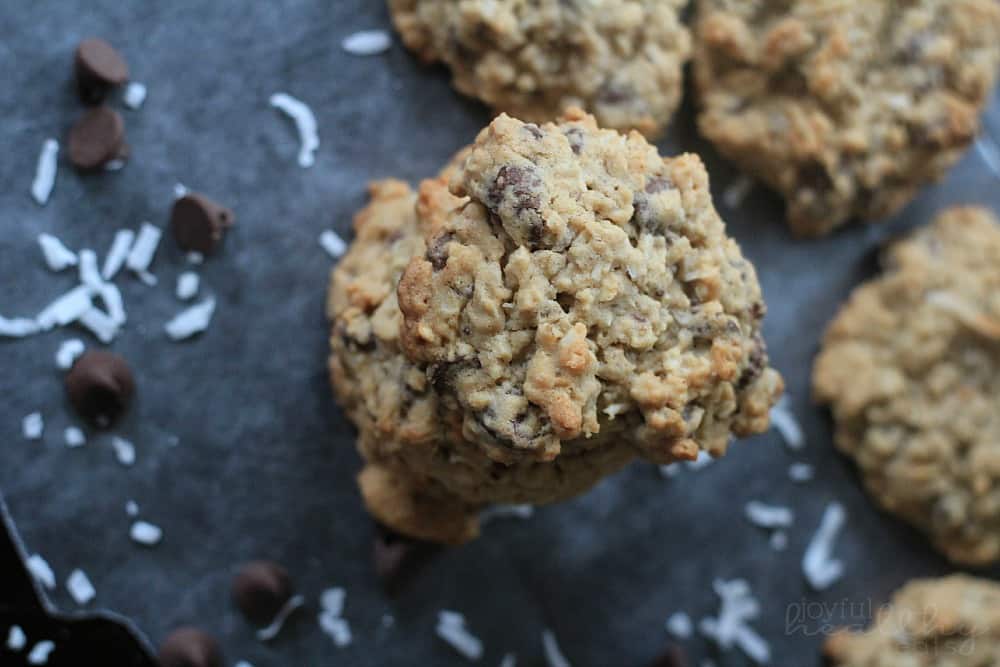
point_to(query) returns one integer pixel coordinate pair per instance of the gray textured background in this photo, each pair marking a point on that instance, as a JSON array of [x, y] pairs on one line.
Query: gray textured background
[[265, 463]]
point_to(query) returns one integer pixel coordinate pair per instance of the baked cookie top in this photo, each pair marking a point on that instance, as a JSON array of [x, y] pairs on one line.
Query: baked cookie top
[[911, 370], [845, 108], [587, 284], [622, 60], [953, 621]]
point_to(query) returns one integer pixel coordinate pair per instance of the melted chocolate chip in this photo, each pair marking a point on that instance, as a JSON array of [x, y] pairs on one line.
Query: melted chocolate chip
[[98, 68], [519, 183], [100, 387], [190, 647], [437, 250], [260, 589]]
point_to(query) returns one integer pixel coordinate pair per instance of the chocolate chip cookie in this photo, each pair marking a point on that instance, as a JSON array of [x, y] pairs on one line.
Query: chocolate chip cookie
[[567, 300], [845, 108], [910, 370], [622, 60], [953, 621]]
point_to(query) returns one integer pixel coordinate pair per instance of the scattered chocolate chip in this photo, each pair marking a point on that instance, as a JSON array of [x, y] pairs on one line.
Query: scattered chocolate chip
[[99, 68], [672, 657], [200, 223], [190, 647], [398, 558], [100, 387], [96, 139], [260, 590]]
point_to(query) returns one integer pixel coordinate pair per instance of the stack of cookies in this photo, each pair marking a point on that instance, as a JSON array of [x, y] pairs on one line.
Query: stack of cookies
[[561, 299]]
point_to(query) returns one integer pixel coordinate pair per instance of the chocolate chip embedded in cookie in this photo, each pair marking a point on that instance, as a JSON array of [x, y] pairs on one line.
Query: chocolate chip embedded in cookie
[[572, 303], [953, 621], [845, 108], [622, 60], [909, 368]]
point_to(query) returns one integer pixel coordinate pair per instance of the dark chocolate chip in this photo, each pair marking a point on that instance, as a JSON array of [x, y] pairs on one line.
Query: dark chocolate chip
[[100, 387], [672, 657], [260, 589], [190, 647], [437, 250], [97, 138], [521, 183], [575, 137], [398, 558], [99, 68], [199, 223], [533, 130]]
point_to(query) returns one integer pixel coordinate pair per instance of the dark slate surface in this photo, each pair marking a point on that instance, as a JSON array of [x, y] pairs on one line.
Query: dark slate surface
[[264, 466]]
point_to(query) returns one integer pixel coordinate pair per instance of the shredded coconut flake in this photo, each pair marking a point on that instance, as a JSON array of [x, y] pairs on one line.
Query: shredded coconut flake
[[768, 516], [115, 165], [787, 425], [989, 152], [57, 255], [506, 512], [509, 660], [737, 191], [69, 351], [187, 285], [305, 123], [40, 653], [180, 190], [80, 588], [112, 298], [145, 533], [338, 629], [191, 321], [134, 95], [32, 426], [67, 308], [118, 253], [553, 655], [451, 628], [272, 630], [41, 571], [731, 627], [243, 663], [124, 450], [18, 327], [100, 324], [679, 625], [141, 254], [45, 172], [196, 258], [820, 568], [16, 639], [74, 437], [132, 508], [332, 243], [367, 43], [90, 275], [779, 540], [332, 600], [801, 472]]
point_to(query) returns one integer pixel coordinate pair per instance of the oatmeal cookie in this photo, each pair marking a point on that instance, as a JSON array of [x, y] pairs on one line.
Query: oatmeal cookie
[[575, 304], [622, 60], [845, 108], [953, 621], [911, 370]]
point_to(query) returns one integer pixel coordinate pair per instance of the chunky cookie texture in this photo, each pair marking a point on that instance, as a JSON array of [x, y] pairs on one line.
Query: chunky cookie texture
[[568, 303], [910, 370], [622, 60], [845, 108], [954, 621]]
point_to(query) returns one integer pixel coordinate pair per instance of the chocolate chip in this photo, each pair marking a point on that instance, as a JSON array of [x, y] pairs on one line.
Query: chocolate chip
[[658, 184], [533, 130], [260, 589], [190, 647], [575, 137], [199, 223], [97, 138], [99, 67], [398, 558], [100, 387], [672, 657], [437, 250], [519, 182]]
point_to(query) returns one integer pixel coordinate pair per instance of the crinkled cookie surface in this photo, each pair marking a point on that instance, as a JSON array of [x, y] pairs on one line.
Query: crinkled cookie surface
[[910, 370], [573, 302], [845, 108], [622, 60], [953, 622]]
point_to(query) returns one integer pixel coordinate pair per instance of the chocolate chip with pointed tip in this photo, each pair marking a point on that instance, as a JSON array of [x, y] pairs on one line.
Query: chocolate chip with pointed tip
[[97, 138], [100, 387], [260, 590], [190, 647], [98, 68], [199, 223]]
